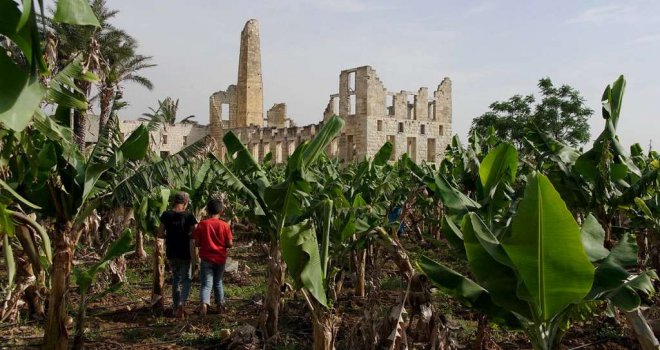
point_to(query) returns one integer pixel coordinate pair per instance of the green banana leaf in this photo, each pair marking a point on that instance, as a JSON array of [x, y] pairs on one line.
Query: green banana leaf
[[300, 251], [467, 292], [85, 277], [500, 164], [593, 239], [75, 12], [491, 266], [546, 250]]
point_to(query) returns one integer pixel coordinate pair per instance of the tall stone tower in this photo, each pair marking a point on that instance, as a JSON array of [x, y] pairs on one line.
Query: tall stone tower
[[249, 88]]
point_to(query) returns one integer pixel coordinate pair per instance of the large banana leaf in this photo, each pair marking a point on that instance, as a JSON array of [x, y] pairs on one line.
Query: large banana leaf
[[327, 133], [612, 280], [383, 155], [136, 145], [452, 232], [234, 182], [593, 239], [466, 291], [500, 164], [451, 197], [607, 144], [546, 249], [75, 12], [20, 95], [491, 265], [300, 251]]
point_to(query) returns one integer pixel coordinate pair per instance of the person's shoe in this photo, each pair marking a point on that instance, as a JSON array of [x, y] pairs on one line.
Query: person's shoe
[[220, 308], [203, 310], [180, 312]]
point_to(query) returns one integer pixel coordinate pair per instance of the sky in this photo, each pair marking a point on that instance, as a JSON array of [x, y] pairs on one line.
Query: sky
[[491, 50]]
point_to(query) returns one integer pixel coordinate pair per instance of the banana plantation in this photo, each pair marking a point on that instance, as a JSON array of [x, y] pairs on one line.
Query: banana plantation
[[497, 246]]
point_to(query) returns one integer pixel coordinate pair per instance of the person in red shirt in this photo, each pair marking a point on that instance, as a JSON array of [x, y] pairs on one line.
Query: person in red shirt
[[213, 237]]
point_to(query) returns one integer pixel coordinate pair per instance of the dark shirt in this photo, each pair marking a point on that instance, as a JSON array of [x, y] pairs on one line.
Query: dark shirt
[[178, 227]]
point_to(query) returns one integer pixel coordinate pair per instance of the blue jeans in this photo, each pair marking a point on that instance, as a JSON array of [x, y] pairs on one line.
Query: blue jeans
[[181, 274], [211, 273]]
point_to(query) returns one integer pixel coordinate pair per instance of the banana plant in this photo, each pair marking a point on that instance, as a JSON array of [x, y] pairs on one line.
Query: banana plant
[[17, 226], [491, 198], [605, 179], [85, 277], [63, 183], [277, 210], [539, 275], [147, 215]]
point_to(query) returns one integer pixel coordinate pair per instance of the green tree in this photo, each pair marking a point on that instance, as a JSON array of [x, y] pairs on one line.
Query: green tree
[[561, 113], [106, 51], [165, 113], [122, 65]]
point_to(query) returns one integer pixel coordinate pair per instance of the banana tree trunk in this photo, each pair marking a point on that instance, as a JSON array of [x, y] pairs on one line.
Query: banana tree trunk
[[79, 338], [157, 297], [274, 294], [653, 249], [324, 325], [398, 253], [56, 336], [139, 245], [32, 271], [360, 270], [643, 331], [483, 339]]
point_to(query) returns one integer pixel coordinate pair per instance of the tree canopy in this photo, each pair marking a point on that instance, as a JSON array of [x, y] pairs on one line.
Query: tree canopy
[[561, 112]]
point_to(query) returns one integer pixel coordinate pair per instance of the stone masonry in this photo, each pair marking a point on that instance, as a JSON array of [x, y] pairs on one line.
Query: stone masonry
[[418, 123], [249, 88]]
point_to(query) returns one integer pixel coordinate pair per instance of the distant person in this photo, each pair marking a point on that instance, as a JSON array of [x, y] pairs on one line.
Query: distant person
[[213, 237], [394, 216], [177, 226]]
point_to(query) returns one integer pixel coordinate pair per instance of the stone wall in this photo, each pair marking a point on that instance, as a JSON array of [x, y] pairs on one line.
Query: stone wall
[[220, 98], [249, 87], [169, 139], [277, 115], [414, 123]]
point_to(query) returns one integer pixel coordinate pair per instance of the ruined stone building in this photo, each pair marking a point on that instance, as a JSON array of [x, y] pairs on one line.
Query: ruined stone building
[[414, 122], [418, 123]]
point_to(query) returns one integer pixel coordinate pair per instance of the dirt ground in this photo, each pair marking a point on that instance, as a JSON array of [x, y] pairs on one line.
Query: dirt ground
[[125, 321]]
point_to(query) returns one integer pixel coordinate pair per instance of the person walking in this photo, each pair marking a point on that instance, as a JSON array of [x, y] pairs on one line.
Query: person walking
[[177, 225], [213, 237]]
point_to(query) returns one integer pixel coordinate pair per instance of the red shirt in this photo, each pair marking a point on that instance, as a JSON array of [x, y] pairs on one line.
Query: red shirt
[[212, 236]]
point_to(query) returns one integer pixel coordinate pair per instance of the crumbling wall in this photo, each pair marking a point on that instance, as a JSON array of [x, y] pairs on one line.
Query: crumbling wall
[[277, 115], [422, 104], [443, 107], [332, 108]]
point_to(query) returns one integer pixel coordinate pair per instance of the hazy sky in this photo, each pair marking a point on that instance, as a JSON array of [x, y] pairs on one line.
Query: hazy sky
[[490, 49]]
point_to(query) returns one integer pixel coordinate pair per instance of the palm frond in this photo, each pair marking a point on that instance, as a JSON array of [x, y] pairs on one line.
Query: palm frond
[[107, 142], [161, 173], [140, 80]]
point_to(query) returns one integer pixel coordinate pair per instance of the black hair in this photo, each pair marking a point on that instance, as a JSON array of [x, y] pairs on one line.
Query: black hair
[[214, 206]]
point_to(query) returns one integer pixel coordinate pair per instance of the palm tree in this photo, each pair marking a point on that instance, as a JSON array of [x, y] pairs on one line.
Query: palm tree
[[165, 113], [123, 68], [107, 51]]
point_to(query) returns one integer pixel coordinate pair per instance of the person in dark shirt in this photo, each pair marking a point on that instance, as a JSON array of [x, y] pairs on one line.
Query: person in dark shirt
[[177, 226], [213, 237]]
